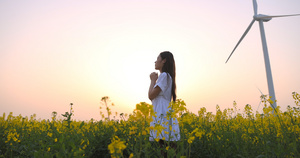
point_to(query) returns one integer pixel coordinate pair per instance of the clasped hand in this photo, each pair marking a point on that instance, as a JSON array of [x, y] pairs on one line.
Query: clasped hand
[[153, 76]]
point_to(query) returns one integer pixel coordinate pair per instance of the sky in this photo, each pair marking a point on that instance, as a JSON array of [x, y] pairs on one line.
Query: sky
[[53, 53]]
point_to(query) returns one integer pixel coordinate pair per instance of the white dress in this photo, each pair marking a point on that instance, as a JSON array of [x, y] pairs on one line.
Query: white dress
[[160, 106]]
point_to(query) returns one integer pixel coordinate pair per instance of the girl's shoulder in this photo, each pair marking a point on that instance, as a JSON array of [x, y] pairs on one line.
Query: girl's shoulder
[[164, 74]]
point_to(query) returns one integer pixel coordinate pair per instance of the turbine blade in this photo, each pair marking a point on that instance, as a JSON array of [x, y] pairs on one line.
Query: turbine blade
[[261, 94], [255, 7], [245, 33], [278, 16]]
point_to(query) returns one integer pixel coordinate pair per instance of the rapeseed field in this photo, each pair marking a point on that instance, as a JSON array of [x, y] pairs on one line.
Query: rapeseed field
[[228, 133]]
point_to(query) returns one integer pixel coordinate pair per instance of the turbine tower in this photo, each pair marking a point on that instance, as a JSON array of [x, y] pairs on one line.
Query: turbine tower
[[263, 18]]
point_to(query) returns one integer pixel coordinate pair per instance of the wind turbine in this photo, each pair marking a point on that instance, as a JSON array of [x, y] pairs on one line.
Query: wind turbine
[[263, 18]]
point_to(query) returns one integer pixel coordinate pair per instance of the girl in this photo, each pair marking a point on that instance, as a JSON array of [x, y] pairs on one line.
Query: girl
[[161, 91]]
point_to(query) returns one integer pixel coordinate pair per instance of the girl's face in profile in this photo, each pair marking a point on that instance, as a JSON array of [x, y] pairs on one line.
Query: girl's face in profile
[[159, 63]]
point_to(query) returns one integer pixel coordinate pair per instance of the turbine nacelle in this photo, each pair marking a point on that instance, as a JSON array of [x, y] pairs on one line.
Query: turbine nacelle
[[264, 18]]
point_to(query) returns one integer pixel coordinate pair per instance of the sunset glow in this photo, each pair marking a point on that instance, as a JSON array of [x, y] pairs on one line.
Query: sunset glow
[[56, 53]]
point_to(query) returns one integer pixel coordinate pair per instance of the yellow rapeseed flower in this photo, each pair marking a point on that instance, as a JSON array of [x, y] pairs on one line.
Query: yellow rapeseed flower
[[157, 139], [49, 134], [270, 101], [131, 155], [116, 146], [82, 141], [144, 133], [191, 139]]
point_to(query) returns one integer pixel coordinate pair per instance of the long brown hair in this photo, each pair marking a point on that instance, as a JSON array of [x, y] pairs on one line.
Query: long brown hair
[[169, 67]]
